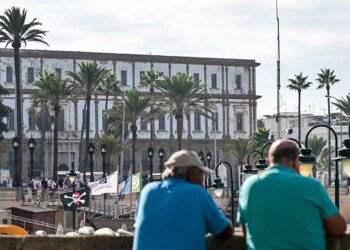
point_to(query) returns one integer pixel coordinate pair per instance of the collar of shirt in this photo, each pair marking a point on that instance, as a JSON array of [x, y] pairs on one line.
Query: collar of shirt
[[281, 168]]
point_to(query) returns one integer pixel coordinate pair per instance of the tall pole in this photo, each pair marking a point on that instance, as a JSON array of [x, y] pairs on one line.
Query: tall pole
[[104, 151], [73, 189], [278, 75], [123, 132], [31, 163], [215, 156], [329, 141]]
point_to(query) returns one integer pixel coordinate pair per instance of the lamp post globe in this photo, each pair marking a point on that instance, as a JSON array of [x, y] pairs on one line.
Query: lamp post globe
[[91, 149], [161, 158], [289, 131], [150, 153], [208, 158], [31, 146]]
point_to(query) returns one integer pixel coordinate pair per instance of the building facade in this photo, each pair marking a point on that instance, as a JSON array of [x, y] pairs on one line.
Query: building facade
[[230, 85]]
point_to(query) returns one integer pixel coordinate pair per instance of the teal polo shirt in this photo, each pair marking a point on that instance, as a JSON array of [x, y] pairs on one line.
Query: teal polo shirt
[[284, 210], [176, 215]]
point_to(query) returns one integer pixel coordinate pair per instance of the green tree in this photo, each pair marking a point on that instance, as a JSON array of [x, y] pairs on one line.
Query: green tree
[[88, 78], [16, 31], [317, 145], [135, 105], [326, 79], [298, 84], [53, 91], [180, 96], [4, 110], [261, 136], [343, 104], [109, 87], [114, 149]]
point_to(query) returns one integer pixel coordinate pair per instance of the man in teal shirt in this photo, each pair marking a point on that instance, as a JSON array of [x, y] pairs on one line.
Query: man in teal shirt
[[280, 209]]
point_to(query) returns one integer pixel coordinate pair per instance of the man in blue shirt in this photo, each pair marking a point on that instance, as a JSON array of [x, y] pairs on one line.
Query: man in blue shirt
[[280, 209], [177, 213]]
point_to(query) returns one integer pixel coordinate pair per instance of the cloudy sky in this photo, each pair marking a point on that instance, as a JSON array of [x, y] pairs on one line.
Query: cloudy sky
[[314, 35]]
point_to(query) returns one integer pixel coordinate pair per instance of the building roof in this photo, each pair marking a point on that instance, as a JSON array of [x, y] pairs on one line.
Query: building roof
[[129, 57]]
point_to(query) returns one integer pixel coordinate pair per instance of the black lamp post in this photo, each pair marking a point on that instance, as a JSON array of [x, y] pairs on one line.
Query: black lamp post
[[72, 178], [103, 152], [307, 160], [219, 188], [208, 157], [247, 166], [91, 148], [201, 157], [31, 145], [161, 159], [16, 180], [150, 153]]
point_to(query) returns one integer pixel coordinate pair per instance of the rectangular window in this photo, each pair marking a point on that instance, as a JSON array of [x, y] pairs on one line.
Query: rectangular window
[[126, 159], [197, 121], [143, 121], [215, 121], [84, 118], [196, 78], [238, 82], [58, 71], [144, 159], [124, 77], [61, 120], [30, 74], [11, 120], [161, 124], [31, 122], [213, 81], [239, 121], [9, 74]]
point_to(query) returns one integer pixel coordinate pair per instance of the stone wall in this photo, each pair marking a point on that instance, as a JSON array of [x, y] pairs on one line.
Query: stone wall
[[124, 243]]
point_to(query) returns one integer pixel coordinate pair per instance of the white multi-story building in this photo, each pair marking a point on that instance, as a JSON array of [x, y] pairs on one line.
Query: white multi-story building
[[230, 85]]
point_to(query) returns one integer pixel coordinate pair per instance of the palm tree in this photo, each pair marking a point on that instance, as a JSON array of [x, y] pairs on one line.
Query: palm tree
[[114, 148], [240, 149], [316, 144], [53, 91], [298, 84], [343, 104], [135, 105], [325, 79], [88, 78], [180, 96], [261, 136], [15, 31], [108, 87], [148, 79]]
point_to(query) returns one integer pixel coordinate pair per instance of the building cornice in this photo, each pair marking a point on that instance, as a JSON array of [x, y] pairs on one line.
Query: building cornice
[[79, 55]]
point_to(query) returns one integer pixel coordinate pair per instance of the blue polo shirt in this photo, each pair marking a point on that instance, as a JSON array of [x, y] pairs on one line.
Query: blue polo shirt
[[284, 210], [176, 215]]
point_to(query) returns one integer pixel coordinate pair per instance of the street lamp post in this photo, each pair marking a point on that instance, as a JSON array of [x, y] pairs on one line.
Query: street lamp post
[[219, 186], [201, 157], [150, 156], [103, 152], [91, 148], [161, 159], [16, 180], [208, 157], [72, 178], [307, 160], [247, 166], [31, 145]]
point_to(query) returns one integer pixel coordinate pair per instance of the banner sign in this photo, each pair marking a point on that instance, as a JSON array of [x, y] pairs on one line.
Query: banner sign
[[76, 199]]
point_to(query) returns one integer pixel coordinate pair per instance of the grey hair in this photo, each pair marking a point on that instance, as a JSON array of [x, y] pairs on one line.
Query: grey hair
[[176, 172]]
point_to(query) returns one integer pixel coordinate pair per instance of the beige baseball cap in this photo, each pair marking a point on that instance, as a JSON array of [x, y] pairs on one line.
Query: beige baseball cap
[[186, 158]]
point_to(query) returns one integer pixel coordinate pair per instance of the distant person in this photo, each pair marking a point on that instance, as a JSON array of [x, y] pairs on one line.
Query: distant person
[[280, 209], [178, 212]]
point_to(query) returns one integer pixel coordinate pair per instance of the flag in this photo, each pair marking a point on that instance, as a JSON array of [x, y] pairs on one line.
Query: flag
[[104, 186], [124, 187]]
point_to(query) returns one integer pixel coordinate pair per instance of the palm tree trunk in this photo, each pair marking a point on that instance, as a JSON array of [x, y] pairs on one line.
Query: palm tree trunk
[[299, 115], [81, 139], [329, 138], [87, 134], [43, 140], [105, 116], [134, 130], [97, 132], [179, 131], [18, 172], [55, 142]]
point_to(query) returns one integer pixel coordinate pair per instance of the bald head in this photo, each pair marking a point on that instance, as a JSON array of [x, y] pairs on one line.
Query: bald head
[[284, 152]]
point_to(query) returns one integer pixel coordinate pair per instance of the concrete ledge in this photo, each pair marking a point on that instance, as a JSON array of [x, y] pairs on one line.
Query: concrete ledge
[[124, 243]]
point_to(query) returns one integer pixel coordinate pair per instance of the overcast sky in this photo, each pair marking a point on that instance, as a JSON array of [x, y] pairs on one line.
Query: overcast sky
[[314, 35]]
